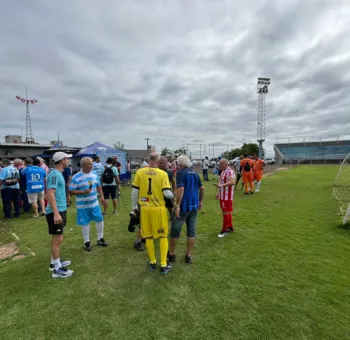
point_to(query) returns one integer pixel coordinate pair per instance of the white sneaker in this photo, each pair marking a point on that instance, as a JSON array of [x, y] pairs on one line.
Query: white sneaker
[[115, 212], [257, 190], [62, 273], [63, 264], [222, 234]]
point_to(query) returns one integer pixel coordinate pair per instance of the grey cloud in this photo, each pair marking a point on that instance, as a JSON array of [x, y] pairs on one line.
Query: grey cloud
[[176, 72]]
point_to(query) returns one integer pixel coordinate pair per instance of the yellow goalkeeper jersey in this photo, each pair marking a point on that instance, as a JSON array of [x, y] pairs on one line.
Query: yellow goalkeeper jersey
[[151, 183]]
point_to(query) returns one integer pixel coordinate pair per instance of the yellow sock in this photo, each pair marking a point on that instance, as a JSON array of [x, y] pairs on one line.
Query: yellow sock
[[163, 245], [150, 250]]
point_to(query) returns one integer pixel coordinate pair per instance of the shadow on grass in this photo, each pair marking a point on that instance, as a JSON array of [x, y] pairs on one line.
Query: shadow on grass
[[345, 226]]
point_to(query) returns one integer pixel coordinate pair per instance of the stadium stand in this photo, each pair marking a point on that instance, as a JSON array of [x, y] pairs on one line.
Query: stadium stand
[[312, 152]]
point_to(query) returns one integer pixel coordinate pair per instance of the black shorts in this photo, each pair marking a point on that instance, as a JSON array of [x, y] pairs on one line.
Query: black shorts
[[109, 190], [168, 203], [56, 229]]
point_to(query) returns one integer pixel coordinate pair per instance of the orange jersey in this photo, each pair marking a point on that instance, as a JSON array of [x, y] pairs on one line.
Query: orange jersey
[[258, 165], [243, 163]]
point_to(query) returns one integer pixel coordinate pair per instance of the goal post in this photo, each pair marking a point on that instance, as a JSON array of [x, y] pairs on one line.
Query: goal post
[[346, 218], [341, 189]]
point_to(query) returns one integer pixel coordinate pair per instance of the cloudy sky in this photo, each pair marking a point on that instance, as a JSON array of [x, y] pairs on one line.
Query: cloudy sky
[[176, 71]]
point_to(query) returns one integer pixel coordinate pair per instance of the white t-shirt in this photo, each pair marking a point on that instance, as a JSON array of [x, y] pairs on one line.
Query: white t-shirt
[[205, 164], [237, 165]]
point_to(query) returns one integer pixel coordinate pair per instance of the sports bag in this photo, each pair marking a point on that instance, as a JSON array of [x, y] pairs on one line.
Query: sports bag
[[108, 175]]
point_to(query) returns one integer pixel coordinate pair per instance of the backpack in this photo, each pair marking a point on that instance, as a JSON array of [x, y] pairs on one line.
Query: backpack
[[247, 166], [108, 175]]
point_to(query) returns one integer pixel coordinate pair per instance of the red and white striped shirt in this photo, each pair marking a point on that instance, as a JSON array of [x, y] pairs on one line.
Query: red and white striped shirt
[[226, 193]]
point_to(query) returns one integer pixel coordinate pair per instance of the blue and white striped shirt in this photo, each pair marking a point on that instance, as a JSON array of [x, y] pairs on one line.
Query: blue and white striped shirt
[[98, 169], [82, 181]]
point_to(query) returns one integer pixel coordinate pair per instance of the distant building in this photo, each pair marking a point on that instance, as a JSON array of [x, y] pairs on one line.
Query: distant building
[[138, 156], [321, 152], [57, 143], [14, 147], [16, 139]]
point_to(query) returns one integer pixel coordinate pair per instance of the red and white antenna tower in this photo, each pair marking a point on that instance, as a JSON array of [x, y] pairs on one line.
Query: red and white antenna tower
[[29, 132]]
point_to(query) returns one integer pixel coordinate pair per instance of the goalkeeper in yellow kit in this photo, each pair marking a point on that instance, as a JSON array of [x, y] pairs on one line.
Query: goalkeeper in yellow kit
[[149, 188]]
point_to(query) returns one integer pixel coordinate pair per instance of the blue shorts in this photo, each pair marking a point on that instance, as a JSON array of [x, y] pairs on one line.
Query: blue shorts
[[176, 224], [85, 216]]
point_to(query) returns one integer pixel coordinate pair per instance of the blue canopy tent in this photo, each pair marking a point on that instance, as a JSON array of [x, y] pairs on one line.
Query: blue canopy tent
[[104, 151]]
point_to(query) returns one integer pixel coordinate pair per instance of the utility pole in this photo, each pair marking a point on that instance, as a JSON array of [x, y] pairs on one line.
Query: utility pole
[[147, 139]]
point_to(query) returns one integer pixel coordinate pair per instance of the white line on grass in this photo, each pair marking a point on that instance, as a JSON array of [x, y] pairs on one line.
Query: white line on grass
[[31, 251], [15, 236]]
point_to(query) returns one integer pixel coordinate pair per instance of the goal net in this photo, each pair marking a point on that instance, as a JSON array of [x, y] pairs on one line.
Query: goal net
[[341, 189]]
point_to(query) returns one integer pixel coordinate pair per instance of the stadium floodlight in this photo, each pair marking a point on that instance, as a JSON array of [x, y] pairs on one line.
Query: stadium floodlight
[[341, 189], [262, 90]]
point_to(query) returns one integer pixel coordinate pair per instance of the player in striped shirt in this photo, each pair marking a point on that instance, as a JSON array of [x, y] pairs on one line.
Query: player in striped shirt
[[226, 194], [97, 167], [85, 185]]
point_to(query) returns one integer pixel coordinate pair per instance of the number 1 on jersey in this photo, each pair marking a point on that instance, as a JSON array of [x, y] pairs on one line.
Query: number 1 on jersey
[[149, 186]]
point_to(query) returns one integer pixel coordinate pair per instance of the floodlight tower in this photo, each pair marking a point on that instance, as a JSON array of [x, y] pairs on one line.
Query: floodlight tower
[[262, 90], [29, 132]]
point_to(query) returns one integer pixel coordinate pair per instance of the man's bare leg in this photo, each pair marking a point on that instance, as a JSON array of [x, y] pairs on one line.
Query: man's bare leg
[[190, 244], [35, 209], [42, 205]]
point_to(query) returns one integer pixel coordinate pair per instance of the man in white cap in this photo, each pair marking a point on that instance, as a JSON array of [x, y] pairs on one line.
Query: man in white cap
[[56, 214]]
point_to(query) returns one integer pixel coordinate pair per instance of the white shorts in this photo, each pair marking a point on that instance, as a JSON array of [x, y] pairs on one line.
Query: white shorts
[[35, 196]]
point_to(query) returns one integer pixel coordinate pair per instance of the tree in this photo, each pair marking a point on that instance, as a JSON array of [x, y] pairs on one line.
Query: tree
[[167, 152], [179, 152], [249, 149], [119, 146]]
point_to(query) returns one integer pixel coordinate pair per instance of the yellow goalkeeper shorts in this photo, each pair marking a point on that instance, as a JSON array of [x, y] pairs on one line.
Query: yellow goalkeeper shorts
[[154, 222]]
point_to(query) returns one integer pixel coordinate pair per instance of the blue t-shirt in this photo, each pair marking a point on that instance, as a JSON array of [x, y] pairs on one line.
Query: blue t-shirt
[[82, 181], [191, 183], [34, 179], [170, 175], [7, 173], [56, 181], [67, 172]]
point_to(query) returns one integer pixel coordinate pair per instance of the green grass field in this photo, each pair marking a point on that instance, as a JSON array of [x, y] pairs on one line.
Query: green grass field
[[284, 274]]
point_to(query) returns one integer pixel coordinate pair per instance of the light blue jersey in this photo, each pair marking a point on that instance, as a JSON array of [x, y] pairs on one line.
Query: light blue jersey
[[7, 173], [55, 180], [88, 207], [98, 169]]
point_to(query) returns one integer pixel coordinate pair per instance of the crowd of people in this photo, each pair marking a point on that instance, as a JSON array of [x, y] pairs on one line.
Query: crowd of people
[[249, 168], [160, 190]]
